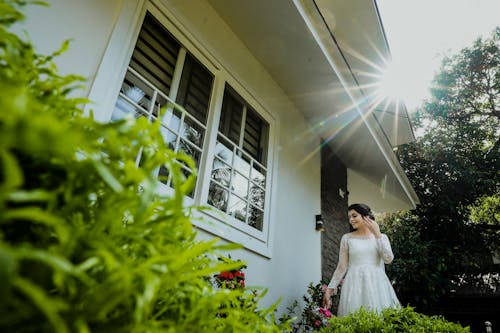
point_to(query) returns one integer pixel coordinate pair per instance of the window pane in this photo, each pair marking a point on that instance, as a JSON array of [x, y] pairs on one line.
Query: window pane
[[218, 197], [257, 195], [240, 185], [131, 99], [195, 89], [255, 217], [222, 174], [190, 150], [237, 208], [231, 115], [242, 164], [169, 137], [192, 132], [259, 174], [155, 54], [242, 148], [172, 119], [160, 105], [124, 108], [224, 150], [256, 136]]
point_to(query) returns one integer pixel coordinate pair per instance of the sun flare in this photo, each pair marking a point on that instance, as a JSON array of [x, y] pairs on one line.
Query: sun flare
[[392, 84]]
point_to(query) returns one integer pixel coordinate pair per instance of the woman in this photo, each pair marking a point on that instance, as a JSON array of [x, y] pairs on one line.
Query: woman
[[362, 255]]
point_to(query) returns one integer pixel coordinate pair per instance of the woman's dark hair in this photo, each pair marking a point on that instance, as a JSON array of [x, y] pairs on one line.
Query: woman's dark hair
[[362, 209]]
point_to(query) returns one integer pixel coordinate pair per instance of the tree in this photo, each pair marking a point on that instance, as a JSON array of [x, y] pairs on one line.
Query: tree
[[455, 162], [486, 211]]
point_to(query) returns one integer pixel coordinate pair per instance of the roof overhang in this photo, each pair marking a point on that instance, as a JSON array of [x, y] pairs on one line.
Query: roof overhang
[[326, 56]]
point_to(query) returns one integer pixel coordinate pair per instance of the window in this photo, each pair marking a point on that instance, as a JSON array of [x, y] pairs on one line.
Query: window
[[162, 70], [238, 177], [151, 81]]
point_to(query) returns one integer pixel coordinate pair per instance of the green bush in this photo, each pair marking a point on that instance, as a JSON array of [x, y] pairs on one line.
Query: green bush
[[312, 316], [392, 320], [86, 243]]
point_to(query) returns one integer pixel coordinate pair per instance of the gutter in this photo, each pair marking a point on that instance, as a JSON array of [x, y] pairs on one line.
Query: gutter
[[308, 10]]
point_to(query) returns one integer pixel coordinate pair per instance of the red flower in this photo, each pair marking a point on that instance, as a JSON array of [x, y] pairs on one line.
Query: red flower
[[317, 323], [325, 312], [226, 275]]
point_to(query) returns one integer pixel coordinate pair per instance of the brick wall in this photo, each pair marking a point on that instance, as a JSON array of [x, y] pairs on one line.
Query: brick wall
[[333, 209]]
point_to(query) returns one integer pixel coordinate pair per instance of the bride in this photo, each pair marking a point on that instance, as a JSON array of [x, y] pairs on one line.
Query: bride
[[362, 255]]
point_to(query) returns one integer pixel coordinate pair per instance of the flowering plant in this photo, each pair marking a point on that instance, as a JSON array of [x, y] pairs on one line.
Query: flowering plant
[[234, 279], [318, 317], [314, 316]]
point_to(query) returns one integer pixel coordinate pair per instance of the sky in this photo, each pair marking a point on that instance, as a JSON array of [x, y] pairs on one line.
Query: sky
[[421, 32]]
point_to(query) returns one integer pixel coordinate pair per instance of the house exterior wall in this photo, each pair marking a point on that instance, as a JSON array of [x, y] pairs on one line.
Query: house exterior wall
[[293, 259], [374, 195], [334, 198], [87, 24]]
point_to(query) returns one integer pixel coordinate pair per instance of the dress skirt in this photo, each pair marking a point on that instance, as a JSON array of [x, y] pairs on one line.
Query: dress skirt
[[367, 286]]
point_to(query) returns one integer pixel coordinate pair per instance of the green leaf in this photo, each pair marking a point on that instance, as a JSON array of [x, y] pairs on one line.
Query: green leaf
[[49, 306], [37, 215], [107, 176], [13, 176]]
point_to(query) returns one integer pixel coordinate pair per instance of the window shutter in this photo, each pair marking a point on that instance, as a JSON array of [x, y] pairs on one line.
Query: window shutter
[[155, 55]]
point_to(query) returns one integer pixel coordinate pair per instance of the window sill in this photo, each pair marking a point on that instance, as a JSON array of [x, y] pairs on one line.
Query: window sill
[[218, 225], [226, 227]]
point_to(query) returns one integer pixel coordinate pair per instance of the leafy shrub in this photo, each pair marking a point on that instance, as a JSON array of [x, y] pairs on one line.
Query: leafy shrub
[[391, 320], [86, 243], [313, 316]]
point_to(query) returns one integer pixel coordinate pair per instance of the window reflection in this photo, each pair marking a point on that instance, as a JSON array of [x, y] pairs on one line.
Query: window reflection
[[238, 208], [218, 197], [240, 149]]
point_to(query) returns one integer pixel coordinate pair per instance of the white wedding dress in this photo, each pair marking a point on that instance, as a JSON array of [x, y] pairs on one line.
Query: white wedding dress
[[365, 283]]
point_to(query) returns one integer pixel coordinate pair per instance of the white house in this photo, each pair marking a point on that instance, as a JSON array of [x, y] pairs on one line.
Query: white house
[[280, 113]]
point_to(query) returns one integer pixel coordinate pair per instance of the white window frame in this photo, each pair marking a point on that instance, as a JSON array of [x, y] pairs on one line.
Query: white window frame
[[107, 86]]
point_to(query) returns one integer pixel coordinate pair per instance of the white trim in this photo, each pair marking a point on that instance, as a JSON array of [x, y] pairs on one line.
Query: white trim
[[211, 137], [181, 33], [334, 57], [114, 63], [106, 88]]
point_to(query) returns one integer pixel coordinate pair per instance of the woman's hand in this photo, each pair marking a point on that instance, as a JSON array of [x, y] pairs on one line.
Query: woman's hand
[[372, 226], [327, 298]]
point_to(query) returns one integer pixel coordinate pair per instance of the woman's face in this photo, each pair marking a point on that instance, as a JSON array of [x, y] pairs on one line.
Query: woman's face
[[355, 219]]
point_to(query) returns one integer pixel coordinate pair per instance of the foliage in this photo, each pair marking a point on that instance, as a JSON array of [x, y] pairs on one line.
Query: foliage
[[86, 243], [454, 162], [466, 88], [391, 320], [486, 210], [415, 266], [313, 316], [485, 213], [232, 279]]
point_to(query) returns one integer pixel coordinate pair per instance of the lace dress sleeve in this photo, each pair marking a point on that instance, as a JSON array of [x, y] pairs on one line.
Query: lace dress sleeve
[[384, 249], [342, 264]]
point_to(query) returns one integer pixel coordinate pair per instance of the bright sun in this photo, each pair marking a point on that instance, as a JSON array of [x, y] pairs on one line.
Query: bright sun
[[392, 84]]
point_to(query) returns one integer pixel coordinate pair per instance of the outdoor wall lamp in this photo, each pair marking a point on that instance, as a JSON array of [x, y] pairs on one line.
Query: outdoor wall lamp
[[319, 223]]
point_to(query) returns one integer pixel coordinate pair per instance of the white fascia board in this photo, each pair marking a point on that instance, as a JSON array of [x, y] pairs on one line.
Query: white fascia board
[[336, 60]]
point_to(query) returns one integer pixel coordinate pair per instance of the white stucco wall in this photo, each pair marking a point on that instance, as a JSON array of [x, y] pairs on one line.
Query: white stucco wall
[[295, 259], [88, 24], [362, 190], [296, 255]]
